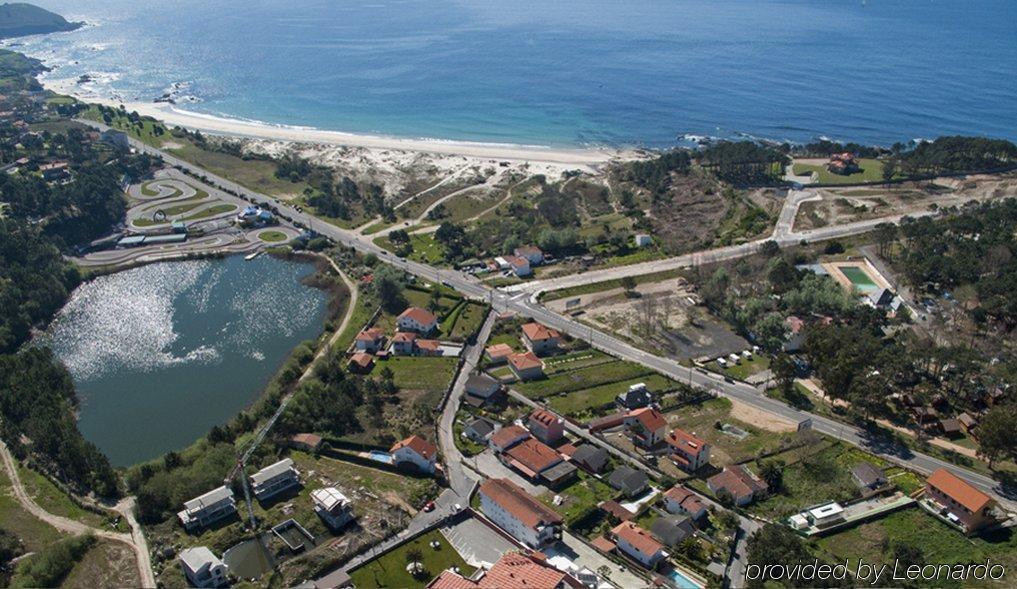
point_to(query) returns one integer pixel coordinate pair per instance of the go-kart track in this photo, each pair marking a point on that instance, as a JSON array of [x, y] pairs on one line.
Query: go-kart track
[[209, 215]]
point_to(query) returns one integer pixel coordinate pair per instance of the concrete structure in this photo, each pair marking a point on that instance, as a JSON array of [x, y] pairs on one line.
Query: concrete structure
[[546, 426], [208, 508], [526, 366], [680, 500], [404, 343], [643, 240], [688, 452], [868, 476], [416, 452], [533, 254], [369, 340], [637, 397], [638, 544], [519, 266], [417, 320], [958, 502], [274, 479], [738, 482], [540, 339], [646, 427], [203, 568], [826, 515], [480, 430], [332, 507], [514, 510]]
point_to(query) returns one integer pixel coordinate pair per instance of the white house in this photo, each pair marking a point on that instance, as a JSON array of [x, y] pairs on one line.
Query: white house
[[274, 479], [518, 513], [531, 254], [520, 266], [203, 568], [417, 320], [417, 452], [332, 507], [208, 508], [638, 544]]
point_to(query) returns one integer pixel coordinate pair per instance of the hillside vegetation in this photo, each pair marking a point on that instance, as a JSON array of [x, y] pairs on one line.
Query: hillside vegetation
[[18, 19]]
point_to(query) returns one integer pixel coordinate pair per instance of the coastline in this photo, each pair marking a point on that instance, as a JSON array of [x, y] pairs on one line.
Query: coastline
[[173, 115]]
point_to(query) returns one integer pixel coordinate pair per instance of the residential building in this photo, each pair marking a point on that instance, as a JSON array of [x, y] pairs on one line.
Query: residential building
[[607, 422], [540, 339], [509, 436], [334, 508], [361, 363], [533, 254], [417, 320], [483, 388], [305, 442], [967, 422], [208, 508], [646, 427], [842, 163], [959, 502], [950, 427], [868, 476], [672, 530], [498, 353], [638, 544], [629, 481], [738, 482], [637, 397], [546, 426], [680, 500], [274, 479], [428, 347], [514, 510], [688, 452], [526, 366], [795, 338], [480, 430], [531, 457], [519, 266], [591, 458], [643, 240], [55, 171], [203, 568], [514, 570], [404, 343], [417, 452], [615, 510], [369, 340]]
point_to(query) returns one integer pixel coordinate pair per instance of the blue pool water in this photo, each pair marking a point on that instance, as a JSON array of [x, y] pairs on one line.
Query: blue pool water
[[380, 456], [567, 72], [681, 580]]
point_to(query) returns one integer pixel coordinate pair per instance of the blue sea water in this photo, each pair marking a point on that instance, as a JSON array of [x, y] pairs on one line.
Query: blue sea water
[[566, 72]]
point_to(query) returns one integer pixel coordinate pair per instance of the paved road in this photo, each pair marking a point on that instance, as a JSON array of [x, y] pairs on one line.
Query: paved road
[[136, 539], [522, 304]]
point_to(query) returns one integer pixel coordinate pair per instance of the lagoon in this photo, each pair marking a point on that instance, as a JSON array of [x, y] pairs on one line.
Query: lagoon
[[161, 353]]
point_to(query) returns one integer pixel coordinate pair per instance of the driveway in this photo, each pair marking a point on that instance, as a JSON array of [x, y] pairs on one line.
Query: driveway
[[572, 550]]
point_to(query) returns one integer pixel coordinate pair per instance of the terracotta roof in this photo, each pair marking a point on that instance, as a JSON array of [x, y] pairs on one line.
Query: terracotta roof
[[528, 249], [525, 361], [543, 416], [429, 344], [639, 538], [533, 454], [514, 570], [523, 507], [421, 316], [361, 359], [516, 261], [614, 508], [536, 332], [404, 336], [959, 490], [418, 445], [603, 544], [737, 481], [688, 500], [649, 418], [683, 440], [309, 439], [370, 335], [499, 351], [505, 435], [606, 422], [795, 324]]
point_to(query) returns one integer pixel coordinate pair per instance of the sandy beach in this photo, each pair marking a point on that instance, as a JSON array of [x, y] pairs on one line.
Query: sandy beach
[[174, 115]]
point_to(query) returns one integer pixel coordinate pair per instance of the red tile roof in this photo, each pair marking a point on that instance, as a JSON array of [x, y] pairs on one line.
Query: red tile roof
[[523, 507], [738, 481], [534, 455], [525, 361], [639, 538], [614, 508], [544, 417], [499, 351], [688, 500], [370, 335], [516, 261], [418, 445], [536, 332], [421, 316], [683, 440], [432, 345], [312, 440], [514, 570], [603, 544], [505, 435], [959, 490], [649, 418], [362, 360], [404, 336]]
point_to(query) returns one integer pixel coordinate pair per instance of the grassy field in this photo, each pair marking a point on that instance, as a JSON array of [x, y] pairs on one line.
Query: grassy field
[[725, 448], [463, 321], [871, 171], [580, 497], [579, 403], [272, 236], [33, 532], [747, 368], [595, 287], [389, 570], [425, 249], [57, 502], [582, 378], [420, 373]]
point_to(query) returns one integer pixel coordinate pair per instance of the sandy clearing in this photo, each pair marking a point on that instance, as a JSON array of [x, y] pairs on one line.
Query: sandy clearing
[[760, 419]]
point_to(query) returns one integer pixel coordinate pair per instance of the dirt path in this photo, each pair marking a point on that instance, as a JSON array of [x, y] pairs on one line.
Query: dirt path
[[354, 297], [135, 539]]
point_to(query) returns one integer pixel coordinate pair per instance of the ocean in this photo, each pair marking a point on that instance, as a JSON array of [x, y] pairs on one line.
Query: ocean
[[565, 73]]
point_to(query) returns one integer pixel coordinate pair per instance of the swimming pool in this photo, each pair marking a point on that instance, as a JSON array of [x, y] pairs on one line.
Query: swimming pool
[[858, 277], [379, 456], [681, 580]]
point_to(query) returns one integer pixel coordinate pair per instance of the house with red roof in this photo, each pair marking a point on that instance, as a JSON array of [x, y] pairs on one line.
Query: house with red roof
[[538, 462], [361, 363], [739, 482], [638, 544], [417, 452], [533, 254], [518, 513], [646, 427], [498, 353], [507, 437], [958, 502], [680, 500], [546, 426], [404, 343], [428, 347], [520, 266], [795, 333], [417, 320], [540, 339], [526, 366], [369, 340], [514, 570], [843, 163], [688, 452]]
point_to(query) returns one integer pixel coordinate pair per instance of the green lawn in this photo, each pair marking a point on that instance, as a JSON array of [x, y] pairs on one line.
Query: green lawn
[[467, 320], [726, 449], [747, 368], [578, 403], [35, 533], [272, 236], [55, 501], [425, 249], [575, 361], [202, 214], [583, 378], [577, 291], [818, 478], [580, 497], [420, 373], [871, 171], [389, 570], [376, 227]]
